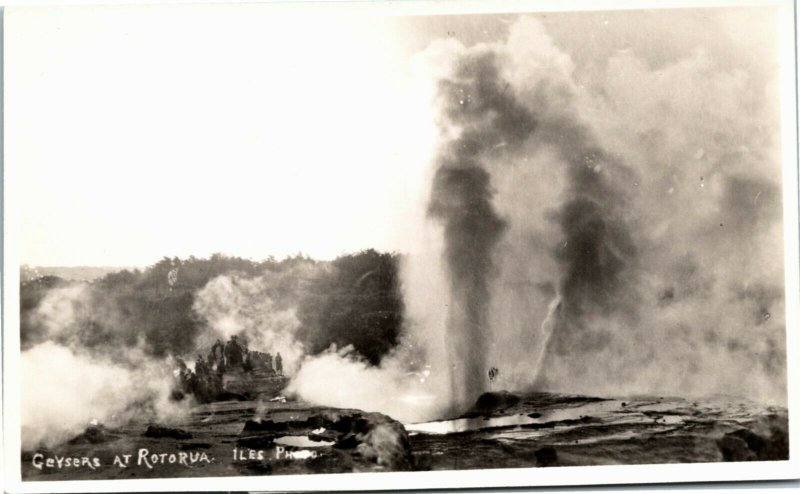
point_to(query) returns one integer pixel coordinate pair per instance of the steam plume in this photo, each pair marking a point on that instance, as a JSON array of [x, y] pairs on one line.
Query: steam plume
[[492, 125], [597, 232], [486, 114], [66, 384], [232, 305]]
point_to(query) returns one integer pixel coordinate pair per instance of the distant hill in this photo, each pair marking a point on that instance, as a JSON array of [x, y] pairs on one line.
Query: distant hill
[[73, 273]]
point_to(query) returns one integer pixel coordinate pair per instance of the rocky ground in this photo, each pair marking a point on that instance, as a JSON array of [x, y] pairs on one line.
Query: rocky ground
[[272, 436], [543, 430], [229, 439]]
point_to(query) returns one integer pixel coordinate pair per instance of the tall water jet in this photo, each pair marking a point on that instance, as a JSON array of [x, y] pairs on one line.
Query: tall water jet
[[546, 333], [485, 115], [544, 188]]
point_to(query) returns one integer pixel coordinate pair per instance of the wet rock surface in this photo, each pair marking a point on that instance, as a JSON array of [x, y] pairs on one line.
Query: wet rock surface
[[166, 432], [770, 442], [265, 437], [546, 457], [493, 402], [548, 430], [235, 438], [371, 439]]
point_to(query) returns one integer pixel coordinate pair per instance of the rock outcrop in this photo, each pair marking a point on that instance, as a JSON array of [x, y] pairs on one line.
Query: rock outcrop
[[158, 431], [94, 434], [371, 440], [769, 442], [493, 401]]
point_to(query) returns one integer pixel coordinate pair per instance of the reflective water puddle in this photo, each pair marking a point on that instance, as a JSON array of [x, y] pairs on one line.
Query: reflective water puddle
[[301, 442]]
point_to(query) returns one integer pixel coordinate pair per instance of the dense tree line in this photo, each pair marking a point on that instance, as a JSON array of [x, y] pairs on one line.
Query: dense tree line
[[353, 300]]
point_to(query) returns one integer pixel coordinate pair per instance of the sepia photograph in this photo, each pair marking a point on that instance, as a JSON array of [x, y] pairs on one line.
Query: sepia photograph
[[265, 243]]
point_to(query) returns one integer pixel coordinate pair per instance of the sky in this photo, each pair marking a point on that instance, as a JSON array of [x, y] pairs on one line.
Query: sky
[[134, 133]]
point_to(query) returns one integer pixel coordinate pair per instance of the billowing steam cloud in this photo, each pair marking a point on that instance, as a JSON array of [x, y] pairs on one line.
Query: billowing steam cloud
[[495, 128], [614, 239], [64, 391], [67, 385], [610, 239], [86, 360], [244, 307], [341, 379]]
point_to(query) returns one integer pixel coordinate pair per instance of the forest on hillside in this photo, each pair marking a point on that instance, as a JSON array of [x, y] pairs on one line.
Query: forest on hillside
[[352, 300]]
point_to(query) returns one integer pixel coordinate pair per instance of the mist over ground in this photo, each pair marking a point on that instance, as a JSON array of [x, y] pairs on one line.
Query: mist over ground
[[112, 343]]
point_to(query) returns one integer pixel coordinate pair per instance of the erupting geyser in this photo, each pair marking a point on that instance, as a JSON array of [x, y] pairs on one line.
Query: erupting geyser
[[594, 232], [488, 123], [486, 115]]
